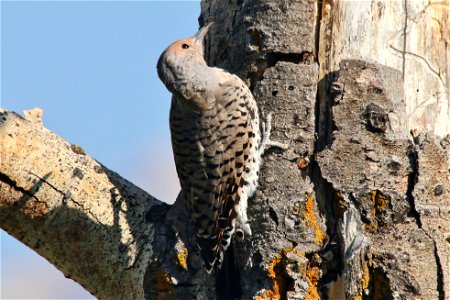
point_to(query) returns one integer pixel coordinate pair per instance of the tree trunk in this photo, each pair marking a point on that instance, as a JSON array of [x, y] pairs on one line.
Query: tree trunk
[[358, 207]]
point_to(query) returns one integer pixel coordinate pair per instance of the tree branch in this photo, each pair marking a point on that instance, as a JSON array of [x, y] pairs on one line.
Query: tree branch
[[353, 208], [96, 227]]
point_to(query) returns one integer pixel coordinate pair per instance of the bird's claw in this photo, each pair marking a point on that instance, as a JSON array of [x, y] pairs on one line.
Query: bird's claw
[[266, 141]]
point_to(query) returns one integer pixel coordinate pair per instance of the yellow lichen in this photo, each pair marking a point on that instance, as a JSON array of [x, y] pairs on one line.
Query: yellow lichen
[[365, 278], [268, 295], [340, 205], [182, 259], [380, 202], [77, 149], [272, 264], [273, 273], [181, 255], [164, 287], [312, 274], [311, 220]]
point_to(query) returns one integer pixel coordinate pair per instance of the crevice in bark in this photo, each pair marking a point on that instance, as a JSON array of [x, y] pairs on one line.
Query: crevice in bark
[[44, 179], [256, 76], [271, 59], [328, 91], [440, 273], [12, 183], [412, 180], [273, 215], [228, 278], [381, 286], [319, 5], [326, 194], [332, 264], [295, 58], [36, 210]]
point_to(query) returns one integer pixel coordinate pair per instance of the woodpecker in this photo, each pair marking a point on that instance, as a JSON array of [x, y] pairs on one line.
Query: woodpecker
[[216, 141]]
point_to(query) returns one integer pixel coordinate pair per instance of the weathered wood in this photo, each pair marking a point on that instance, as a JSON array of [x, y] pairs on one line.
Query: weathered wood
[[82, 217], [409, 36], [357, 207], [372, 166]]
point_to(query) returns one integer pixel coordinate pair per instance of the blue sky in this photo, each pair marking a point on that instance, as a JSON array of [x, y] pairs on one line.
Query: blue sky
[[90, 65]]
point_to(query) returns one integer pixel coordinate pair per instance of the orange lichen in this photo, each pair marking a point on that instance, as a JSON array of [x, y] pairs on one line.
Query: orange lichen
[[365, 278], [272, 264], [312, 275], [309, 271], [339, 205], [164, 286], [371, 227], [311, 220], [182, 258], [77, 149], [268, 294], [380, 202], [273, 272]]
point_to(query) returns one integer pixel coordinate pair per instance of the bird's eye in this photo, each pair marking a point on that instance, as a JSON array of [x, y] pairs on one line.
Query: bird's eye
[[185, 46]]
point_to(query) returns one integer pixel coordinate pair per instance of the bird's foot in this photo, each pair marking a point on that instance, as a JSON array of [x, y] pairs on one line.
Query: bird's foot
[[266, 141]]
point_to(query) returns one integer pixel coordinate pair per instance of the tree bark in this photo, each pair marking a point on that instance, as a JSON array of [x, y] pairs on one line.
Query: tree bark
[[357, 207]]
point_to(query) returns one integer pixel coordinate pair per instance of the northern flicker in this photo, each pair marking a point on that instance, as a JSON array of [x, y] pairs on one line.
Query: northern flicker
[[216, 142]]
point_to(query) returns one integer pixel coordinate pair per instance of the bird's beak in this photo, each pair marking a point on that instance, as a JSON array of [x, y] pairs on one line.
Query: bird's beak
[[200, 35]]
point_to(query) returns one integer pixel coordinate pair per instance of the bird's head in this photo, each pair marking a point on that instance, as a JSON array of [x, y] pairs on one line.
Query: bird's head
[[181, 55]]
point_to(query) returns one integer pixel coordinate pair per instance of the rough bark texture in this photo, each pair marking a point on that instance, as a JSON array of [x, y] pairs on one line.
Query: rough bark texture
[[357, 207]]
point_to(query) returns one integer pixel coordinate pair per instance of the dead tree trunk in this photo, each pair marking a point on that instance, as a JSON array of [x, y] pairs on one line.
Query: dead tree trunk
[[358, 207]]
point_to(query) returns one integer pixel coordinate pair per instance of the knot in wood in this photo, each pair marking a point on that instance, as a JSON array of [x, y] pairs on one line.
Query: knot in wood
[[375, 118]]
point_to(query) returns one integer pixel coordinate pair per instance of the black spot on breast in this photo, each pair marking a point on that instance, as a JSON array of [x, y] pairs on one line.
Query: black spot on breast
[[230, 145], [210, 156], [240, 134], [242, 182], [229, 103]]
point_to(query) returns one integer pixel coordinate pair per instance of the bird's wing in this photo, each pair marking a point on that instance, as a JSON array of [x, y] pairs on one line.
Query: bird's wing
[[228, 142], [212, 152]]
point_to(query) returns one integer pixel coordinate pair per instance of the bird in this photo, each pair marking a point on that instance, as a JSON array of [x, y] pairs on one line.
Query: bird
[[217, 144]]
